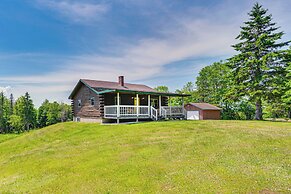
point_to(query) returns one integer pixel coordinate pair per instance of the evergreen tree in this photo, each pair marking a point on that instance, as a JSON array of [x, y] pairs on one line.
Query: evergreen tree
[[11, 104], [42, 114], [258, 68], [29, 112], [24, 108], [2, 122], [4, 113], [287, 96]]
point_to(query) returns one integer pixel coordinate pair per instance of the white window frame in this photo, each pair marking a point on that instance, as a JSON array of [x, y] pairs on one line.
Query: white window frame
[[79, 103]]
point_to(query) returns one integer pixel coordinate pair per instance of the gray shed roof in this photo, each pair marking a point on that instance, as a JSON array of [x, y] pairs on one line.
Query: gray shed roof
[[205, 106]]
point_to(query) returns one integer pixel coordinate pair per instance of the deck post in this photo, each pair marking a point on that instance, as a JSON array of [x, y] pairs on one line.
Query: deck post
[[169, 102], [183, 111], [149, 105], [137, 107], [160, 105], [182, 101], [118, 107]]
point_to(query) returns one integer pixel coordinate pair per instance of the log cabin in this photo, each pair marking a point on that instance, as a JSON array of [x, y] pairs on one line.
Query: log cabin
[[104, 101]]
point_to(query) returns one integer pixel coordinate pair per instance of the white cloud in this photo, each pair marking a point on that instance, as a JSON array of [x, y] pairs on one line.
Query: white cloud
[[5, 89], [184, 38], [143, 60], [75, 10], [147, 57]]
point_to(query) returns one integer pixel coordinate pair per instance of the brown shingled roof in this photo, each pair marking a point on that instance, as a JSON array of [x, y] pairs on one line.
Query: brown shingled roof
[[106, 86], [205, 106], [116, 86]]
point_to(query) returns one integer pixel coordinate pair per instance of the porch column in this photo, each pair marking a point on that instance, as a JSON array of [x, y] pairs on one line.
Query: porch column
[[182, 101], [118, 108], [169, 104], [183, 110], [137, 107], [149, 105], [160, 105]]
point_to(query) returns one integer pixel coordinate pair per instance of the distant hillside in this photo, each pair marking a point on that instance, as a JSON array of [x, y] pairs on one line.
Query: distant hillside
[[176, 157]]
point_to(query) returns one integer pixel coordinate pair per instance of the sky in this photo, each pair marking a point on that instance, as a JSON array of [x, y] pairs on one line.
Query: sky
[[46, 46]]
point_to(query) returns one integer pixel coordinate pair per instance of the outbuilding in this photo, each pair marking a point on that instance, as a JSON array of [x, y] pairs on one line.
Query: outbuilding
[[202, 111]]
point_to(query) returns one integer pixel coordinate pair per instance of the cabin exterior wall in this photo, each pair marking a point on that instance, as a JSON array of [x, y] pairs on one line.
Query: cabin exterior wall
[[86, 111]]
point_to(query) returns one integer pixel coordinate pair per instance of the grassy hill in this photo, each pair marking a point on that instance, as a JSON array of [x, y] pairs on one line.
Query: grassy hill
[[170, 157]]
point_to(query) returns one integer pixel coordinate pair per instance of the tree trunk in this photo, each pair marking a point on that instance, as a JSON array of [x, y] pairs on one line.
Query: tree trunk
[[259, 112]]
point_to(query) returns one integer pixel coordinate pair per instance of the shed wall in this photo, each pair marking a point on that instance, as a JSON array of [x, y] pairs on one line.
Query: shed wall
[[211, 114], [204, 114], [189, 107]]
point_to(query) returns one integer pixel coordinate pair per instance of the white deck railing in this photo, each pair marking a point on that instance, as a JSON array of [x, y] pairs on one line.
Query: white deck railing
[[131, 111], [154, 113], [169, 111], [126, 111]]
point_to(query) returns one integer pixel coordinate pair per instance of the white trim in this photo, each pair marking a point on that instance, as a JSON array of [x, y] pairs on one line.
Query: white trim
[[172, 111], [118, 104], [126, 111], [149, 104], [160, 105], [137, 105]]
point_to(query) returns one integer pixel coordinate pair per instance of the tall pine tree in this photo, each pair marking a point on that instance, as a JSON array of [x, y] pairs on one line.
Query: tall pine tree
[[4, 113], [287, 96], [258, 67], [2, 119], [24, 108]]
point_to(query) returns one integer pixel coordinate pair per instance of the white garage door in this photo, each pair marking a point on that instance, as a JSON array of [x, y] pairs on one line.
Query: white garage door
[[192, 115]]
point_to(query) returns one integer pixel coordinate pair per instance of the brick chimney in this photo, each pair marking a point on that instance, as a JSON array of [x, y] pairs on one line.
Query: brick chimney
[[121, 80]]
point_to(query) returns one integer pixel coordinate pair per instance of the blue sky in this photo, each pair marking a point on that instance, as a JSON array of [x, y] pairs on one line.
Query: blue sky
[[47, 45]]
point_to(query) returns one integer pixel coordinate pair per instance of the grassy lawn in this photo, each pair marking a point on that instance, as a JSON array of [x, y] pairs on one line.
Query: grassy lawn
[[154, 157], [5, 137]]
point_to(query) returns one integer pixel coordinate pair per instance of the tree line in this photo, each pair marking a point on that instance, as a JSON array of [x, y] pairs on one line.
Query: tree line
[[21, 115], [256, 81]]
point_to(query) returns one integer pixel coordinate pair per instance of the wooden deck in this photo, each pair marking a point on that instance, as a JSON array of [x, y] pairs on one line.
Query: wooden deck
[[142, 112]]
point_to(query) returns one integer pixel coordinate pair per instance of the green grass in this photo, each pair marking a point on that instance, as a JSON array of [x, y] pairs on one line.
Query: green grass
[[154, 157], [5, 137]]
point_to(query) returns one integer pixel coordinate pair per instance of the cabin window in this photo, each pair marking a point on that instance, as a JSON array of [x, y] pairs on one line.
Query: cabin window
[[79, 103], [92, 101]]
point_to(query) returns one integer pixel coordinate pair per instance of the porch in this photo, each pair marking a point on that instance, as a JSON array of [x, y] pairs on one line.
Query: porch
[[140, 106], [143, 112]]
